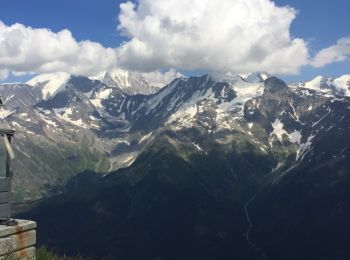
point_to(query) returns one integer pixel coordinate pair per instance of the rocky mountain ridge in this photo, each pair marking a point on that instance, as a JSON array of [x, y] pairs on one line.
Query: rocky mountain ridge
[[92, 126]]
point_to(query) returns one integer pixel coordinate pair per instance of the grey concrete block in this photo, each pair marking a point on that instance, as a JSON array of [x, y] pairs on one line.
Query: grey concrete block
[[24, 254], [17, 242]]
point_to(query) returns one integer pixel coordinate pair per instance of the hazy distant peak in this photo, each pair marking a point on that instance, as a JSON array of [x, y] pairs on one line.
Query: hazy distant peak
[[256, 77], [130, 82]]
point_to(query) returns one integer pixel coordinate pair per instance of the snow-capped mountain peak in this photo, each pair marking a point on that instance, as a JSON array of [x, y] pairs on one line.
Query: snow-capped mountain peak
[[50, 83], [317, 82], [343, 84], [326, 85], [129, 82]]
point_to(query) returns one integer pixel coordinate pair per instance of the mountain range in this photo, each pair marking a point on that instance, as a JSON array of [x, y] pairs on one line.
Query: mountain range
[[209, 167]]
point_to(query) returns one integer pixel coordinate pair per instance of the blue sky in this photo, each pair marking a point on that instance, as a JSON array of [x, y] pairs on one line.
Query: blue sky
[[319, 23], [86, 19]]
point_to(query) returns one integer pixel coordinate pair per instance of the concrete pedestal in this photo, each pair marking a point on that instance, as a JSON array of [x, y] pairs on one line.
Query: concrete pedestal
[[18, 242]]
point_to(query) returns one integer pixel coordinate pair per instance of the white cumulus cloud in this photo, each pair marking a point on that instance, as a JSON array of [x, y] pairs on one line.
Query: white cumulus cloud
[[25, 49], [237, 36], [335, 53]]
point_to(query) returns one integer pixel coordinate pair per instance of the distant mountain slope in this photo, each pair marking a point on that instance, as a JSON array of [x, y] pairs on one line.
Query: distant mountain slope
[[306, 208], [216, 167], [172, 203]]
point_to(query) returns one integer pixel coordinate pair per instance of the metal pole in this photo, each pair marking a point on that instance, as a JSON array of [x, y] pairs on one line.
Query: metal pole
[[8, 161], [8, 175]]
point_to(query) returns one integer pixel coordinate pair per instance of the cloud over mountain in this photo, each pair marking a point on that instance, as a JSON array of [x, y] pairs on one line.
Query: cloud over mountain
[[237, 36], [25, 49], [159, 79]]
